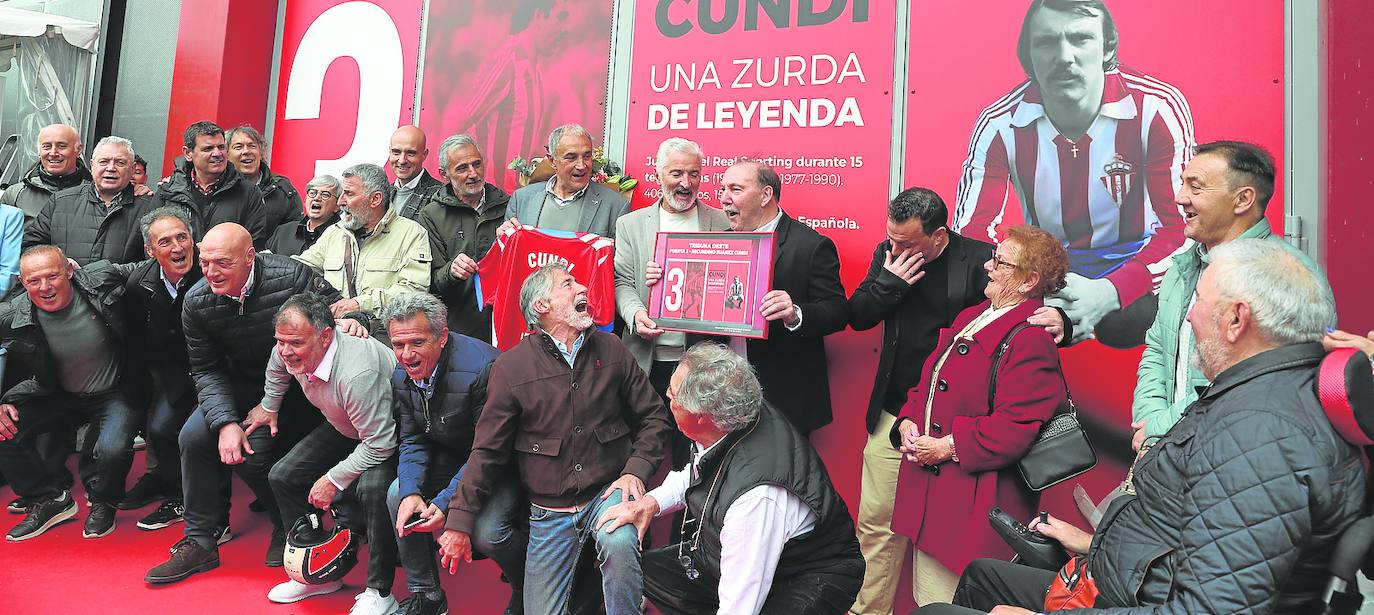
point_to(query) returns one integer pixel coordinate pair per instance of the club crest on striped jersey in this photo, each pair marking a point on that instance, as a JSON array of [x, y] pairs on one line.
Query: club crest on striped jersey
[[1117, 178]]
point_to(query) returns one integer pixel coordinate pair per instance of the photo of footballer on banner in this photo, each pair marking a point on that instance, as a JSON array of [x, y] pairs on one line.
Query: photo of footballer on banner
[[713, 283]]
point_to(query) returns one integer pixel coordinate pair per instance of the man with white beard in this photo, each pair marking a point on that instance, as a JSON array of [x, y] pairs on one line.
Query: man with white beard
[[679, 174], [372, 254]]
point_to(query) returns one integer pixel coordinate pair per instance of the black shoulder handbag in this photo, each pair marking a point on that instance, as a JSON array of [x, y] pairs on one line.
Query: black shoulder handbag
[[1061, 451]]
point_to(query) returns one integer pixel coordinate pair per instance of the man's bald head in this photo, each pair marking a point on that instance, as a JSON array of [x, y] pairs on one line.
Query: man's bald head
[[59, 147], [407, 152], [226, 258]]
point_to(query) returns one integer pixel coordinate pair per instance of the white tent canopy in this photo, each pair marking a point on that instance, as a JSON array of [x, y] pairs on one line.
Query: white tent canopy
[[47, 75], [19, 22]]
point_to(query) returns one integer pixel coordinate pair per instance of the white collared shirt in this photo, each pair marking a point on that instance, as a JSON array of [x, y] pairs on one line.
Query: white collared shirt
[[771, 225], [172, 288], [326, 366], [410, 185], [757, 526], [558, 200], [247, 284]]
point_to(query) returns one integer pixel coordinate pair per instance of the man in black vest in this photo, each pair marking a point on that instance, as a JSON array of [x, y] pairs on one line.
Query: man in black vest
[[765, 531]]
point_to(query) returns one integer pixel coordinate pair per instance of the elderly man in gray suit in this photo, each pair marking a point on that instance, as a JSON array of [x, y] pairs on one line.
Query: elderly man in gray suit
[[570, 201], [657, 351]]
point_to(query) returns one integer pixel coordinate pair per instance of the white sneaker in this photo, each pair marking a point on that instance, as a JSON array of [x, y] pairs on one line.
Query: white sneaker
[[371, 602], [291, 591]]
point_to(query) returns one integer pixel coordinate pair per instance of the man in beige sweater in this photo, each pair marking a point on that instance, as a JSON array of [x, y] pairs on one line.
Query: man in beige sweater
[[349, 380]]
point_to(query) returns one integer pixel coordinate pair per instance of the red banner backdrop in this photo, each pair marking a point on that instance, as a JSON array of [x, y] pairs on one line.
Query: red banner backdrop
[[1234, 91], [507, 73], [346, 81], [807, 89]]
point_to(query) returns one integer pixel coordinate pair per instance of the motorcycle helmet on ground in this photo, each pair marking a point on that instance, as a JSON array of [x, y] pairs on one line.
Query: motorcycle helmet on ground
[[316, 554]]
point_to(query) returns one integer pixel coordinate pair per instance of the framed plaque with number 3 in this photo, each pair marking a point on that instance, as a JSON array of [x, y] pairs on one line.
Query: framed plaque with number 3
[[713, 283]]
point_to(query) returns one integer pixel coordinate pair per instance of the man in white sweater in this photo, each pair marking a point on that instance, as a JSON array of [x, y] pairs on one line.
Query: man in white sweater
[[348, 380]]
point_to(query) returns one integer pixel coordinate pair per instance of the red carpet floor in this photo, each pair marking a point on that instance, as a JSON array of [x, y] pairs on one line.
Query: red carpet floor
[[61, 572]]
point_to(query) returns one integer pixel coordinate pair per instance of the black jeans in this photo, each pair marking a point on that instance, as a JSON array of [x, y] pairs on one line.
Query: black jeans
[[987, 583], [164, 427], [103, 468], [292, 477], [204, 477], [667, 585]]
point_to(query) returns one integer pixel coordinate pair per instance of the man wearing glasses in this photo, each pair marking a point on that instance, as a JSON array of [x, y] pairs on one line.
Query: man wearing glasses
[[321, 212], [765, 531]]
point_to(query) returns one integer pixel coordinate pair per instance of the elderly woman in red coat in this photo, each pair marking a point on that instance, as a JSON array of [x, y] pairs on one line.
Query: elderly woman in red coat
[[960, 454]]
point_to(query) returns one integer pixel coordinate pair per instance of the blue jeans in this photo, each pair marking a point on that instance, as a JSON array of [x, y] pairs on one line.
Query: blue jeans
[[496, 534], [556, 541]]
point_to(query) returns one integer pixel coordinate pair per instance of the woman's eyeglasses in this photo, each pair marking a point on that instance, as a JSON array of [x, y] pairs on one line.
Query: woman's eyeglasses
[[998, 262]]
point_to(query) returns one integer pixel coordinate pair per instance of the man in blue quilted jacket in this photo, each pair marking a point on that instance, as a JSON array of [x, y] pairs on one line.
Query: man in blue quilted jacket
[[1238, 508], [438, 389]]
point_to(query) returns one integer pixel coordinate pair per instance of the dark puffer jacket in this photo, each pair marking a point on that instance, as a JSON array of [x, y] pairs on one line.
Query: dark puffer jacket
[[281, 201], [229, 342], [437, 430], [100, 284], [235, 200], [454, 228], [77, 221], [33, 191], [1239, 506]]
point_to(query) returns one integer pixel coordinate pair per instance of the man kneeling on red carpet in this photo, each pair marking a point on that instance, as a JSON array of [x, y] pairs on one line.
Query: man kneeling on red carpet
[[353, 453], [64, 328]]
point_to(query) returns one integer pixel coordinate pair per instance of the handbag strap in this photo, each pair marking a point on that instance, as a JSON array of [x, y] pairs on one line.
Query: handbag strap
[[1001, 350]]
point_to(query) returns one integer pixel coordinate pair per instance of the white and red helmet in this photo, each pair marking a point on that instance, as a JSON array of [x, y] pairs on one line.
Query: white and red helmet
[[316, 554]]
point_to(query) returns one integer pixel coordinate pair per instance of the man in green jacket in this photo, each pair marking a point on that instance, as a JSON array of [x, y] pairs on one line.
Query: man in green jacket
[[1226, 187], [461, 219]]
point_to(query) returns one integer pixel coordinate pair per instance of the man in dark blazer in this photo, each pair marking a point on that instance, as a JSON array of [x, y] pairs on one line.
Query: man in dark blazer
[[919, 280], [570, 200], [806, 304]]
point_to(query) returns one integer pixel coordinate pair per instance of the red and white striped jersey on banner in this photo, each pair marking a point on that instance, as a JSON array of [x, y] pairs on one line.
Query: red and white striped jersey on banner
[[519, 251], [1109, 196]]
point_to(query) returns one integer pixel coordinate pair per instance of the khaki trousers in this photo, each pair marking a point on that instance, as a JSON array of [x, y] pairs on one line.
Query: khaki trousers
[[882, 549]]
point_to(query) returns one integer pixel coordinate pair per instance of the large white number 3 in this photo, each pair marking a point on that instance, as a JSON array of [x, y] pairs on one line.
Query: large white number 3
[[672, 301], [365, 32]]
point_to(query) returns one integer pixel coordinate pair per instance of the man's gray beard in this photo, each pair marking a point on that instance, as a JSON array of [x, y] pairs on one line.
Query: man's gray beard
[[1209, 357], [675, 206], [580, 321], [475, 194], [350, 222]]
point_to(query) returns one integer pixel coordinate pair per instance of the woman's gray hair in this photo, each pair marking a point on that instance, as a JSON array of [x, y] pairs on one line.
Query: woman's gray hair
[[538, 287], [329, 181], [675, 145], [145, 224], [410, 304], [719, 384], [373, 178], [1291, 301], [557, 135], [455, 142]]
